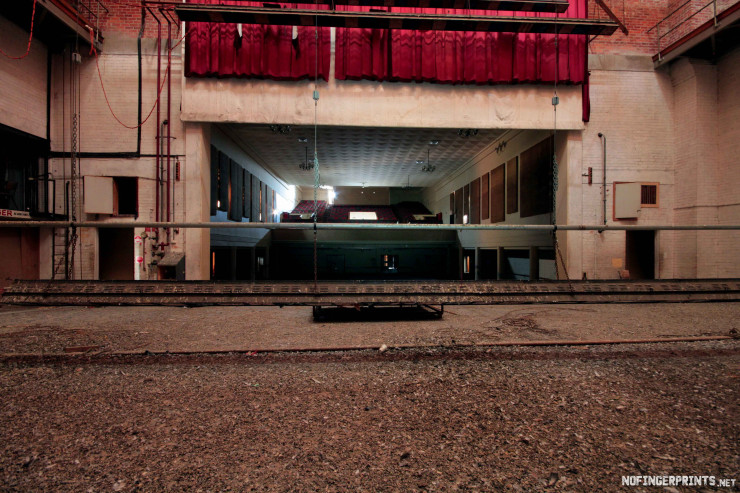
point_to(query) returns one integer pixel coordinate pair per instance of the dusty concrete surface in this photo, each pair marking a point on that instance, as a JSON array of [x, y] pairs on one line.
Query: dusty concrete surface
[[52, 329]]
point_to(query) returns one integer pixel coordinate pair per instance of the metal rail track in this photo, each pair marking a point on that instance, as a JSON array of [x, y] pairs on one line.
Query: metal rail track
[[363, 294]]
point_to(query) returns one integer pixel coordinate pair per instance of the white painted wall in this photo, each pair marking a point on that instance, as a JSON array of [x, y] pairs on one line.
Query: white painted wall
[[437, 198], [23, 82], [632, 105], [369, 103], [221, 139], [728, 161]]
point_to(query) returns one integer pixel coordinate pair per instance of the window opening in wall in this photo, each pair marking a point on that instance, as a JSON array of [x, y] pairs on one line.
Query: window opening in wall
[[390, 263], [649, 195], [485, 192], [218, 180], [244, 195], [126, 195]]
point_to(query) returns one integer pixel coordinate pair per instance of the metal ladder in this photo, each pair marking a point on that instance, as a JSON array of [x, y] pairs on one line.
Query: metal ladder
[[60, 253]]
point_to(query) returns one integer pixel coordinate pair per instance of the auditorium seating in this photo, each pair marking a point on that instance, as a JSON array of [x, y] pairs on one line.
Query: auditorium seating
[[403, 212]]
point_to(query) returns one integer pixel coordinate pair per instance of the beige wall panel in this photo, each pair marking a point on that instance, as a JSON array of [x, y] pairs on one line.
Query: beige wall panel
[[23, 98]]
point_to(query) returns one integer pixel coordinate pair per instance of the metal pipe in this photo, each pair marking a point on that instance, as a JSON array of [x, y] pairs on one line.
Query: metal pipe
[[603, 186], [169, 113], [368, 227], [375, 348], [158, 136], [160, 192]]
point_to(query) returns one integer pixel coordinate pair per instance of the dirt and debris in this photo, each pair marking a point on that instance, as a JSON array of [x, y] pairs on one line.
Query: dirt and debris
[[147, 328], [512, 419]]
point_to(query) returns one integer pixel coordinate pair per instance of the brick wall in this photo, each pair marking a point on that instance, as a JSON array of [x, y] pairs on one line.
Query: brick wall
[[126, 18], [728, 137], [100, 133], [632, 106]]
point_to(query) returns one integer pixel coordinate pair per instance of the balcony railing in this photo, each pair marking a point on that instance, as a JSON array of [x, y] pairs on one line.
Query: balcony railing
[[685, 18]]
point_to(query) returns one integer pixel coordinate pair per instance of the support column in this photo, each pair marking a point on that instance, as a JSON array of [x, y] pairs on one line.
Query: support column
[[461, 262], [477, 263], [499, 262], [197, 185], [253, 262], [534, 263]]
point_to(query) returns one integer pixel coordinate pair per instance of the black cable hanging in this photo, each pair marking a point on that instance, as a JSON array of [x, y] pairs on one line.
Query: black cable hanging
[[555, 102], [316, 175]]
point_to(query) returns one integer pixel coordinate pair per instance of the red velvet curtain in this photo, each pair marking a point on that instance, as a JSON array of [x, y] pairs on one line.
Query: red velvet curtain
[[269, 52], [463, 57]]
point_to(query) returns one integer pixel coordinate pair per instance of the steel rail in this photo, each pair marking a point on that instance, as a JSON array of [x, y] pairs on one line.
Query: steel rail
[[389, 20], [332, 293], [369, 226], [102, 352], [558, 6]]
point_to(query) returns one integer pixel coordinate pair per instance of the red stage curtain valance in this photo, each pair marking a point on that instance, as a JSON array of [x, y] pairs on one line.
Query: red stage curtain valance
[[462, 57], [269, 52]]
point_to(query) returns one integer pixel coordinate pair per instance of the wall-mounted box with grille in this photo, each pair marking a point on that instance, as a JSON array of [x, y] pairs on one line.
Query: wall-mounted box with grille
[[630, 198]]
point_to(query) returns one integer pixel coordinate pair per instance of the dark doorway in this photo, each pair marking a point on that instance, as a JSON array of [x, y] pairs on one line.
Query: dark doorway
[[335, 264], [515, 265], [243, 264], [116, 259], [20, 247], [487, 260], [221, 268], [640, 254]]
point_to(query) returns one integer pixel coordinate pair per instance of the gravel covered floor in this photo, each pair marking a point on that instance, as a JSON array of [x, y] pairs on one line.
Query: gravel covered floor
[[572, 418]]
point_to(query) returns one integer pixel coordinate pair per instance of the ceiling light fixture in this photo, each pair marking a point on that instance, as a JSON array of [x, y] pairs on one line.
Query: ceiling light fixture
[[302, 140], [306, 165], [280, 129], [467, 132], [433, 142], [428, 168]]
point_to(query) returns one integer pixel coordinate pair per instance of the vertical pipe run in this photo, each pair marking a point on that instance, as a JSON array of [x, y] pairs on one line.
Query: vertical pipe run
[[603, 171], [169, 118], [157, 163]]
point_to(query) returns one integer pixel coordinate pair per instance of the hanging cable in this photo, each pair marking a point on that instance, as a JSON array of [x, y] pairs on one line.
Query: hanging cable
[[316, 176], [167, 74], [30, 38], [555, 102]]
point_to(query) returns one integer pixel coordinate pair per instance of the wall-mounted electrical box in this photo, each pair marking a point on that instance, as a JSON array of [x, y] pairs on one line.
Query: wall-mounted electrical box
[[98, 195], [627, 200]]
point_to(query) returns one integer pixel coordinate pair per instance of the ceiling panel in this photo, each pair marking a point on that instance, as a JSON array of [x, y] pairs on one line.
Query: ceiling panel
[[361, 156]]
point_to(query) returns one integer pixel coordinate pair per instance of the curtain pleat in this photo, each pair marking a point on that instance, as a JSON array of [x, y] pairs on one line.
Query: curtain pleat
[[274, 52], [269, 52], [462, 57]]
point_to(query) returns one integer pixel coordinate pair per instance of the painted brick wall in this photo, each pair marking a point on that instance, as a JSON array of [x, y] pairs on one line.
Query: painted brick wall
[[728, 161], [632, 105], [23, 82], [706, 166], [100, 132]]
